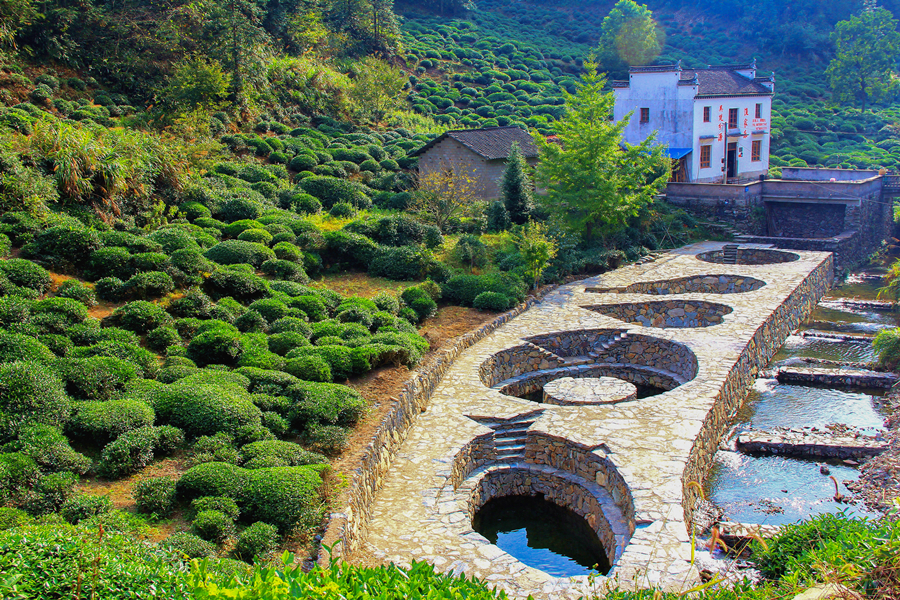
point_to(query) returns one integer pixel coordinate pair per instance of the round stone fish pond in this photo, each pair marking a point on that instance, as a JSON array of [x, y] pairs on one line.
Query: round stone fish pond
[[666, 313], [700, 284], [749, 256]]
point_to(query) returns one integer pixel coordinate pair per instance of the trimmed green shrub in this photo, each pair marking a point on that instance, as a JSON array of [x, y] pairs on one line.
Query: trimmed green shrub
[[49, 448], [306, 204], [276, 453], [74, 289], [215, 479], [151, 261], [232, 252], [108, 420], [50, 493], [141, 358], [251, 322], [222, 504], [332, 190], [212, 525], [134, 450], [109, 289], [96, 377], [13, 517], [64, 246], [328, 439], [15, 346], [82, 506], [110, 262], [155, 496], [162, 337], [463, 289], [313, 306], [259, 236], [282, 343], [259, 540], [218, 345], [284, 496], [493, 301], [282, 269], [419, 301], [190, 545], [324, 403], [140, 316], [238, 227], [26, 274], [237, 283], [30, 393], [215, 448], [207, 409], [289, 252], [149, 284]]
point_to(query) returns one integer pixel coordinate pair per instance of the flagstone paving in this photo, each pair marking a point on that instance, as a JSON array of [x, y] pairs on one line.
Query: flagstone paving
[[624, 466]]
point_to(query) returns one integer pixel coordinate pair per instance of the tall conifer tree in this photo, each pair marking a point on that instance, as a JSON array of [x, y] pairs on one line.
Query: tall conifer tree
[[515, 187]]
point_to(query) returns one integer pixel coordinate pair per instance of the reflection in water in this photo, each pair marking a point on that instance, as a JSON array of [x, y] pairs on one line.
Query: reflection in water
[[542, 535], [752, 489], [826, 348], [772, 404]]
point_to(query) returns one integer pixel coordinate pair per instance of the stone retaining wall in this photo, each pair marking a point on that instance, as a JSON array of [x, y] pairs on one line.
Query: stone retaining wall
[[347, 529], [646, 376], [756, 355], [837, 378]]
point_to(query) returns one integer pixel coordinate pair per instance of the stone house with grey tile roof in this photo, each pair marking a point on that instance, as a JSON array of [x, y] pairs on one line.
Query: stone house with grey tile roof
[[479, 153], [716, 121]]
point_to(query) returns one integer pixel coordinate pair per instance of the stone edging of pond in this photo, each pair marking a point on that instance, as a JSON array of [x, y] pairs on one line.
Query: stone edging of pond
[[346, 528]]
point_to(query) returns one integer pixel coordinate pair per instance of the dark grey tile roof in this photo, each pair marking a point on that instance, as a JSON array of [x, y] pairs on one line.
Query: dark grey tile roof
[[724, 82], [489, 142]]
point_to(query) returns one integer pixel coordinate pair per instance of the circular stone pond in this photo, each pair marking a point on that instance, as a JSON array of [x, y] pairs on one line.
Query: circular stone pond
[[569, 391], [750, 256], [702, 284], [666, 313]]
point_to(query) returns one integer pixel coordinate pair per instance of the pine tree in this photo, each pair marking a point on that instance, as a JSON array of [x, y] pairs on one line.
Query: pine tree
[[515, 187]]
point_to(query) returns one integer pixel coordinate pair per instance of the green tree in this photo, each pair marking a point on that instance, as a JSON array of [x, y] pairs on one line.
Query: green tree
[[14, 15], [866, 48], [592, 181], [516, 188], [628, 36], [536, 248], [377, 88], [197, 83]]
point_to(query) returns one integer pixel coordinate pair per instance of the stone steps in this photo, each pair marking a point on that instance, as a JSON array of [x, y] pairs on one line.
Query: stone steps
[[861, 338], [729, 254], [876, 305]]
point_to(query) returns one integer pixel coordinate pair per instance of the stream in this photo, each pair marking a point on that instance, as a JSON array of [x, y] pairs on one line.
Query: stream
[[776, 490]]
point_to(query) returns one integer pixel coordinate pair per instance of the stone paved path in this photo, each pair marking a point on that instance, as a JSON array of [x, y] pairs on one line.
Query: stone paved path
[[424, 509]]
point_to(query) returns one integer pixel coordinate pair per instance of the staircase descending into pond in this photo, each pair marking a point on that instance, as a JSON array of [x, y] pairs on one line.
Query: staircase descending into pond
[[729, 254]]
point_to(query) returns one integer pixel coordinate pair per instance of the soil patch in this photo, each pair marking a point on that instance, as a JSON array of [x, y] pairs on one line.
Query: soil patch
[[879, 478]]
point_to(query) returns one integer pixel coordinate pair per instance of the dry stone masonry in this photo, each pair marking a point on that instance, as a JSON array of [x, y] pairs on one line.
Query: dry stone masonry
[[669, 313], [625, 467], [704, 284], [588, 390]]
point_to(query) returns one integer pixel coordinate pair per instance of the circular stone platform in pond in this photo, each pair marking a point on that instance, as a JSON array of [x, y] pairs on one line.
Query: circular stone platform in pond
[[568, 391]]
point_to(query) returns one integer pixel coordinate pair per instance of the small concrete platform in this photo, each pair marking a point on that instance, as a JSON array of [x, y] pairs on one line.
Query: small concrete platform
[[810, 443]]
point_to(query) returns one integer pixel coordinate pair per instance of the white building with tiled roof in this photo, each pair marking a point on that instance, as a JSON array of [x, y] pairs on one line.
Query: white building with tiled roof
[[716, 121]]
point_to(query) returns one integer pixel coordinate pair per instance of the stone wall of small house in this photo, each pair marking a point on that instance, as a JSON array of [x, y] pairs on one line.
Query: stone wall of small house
[[486, 173], [756, 355], [794, 220], [346, 528]]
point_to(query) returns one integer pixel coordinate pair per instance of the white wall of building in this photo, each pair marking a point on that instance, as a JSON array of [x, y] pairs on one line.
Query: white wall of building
[[676, 115], [714, 134]]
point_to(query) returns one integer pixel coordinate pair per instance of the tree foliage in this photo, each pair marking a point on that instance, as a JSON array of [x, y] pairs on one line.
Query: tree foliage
[[445, 194], [536, 248], [516, 188], [591, 180], [867, 46], [629, 36]]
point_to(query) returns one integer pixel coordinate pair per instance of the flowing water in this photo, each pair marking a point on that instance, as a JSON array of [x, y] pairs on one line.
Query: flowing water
[[542, 535], [776, 490]]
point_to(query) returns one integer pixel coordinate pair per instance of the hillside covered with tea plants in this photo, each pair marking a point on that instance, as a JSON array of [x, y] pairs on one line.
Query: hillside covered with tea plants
[[191, 192]]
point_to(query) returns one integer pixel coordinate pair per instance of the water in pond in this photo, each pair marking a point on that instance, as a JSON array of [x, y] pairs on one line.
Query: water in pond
[[774, 489], [772, 404], [542, 535], [796, 347], [809, 492]]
